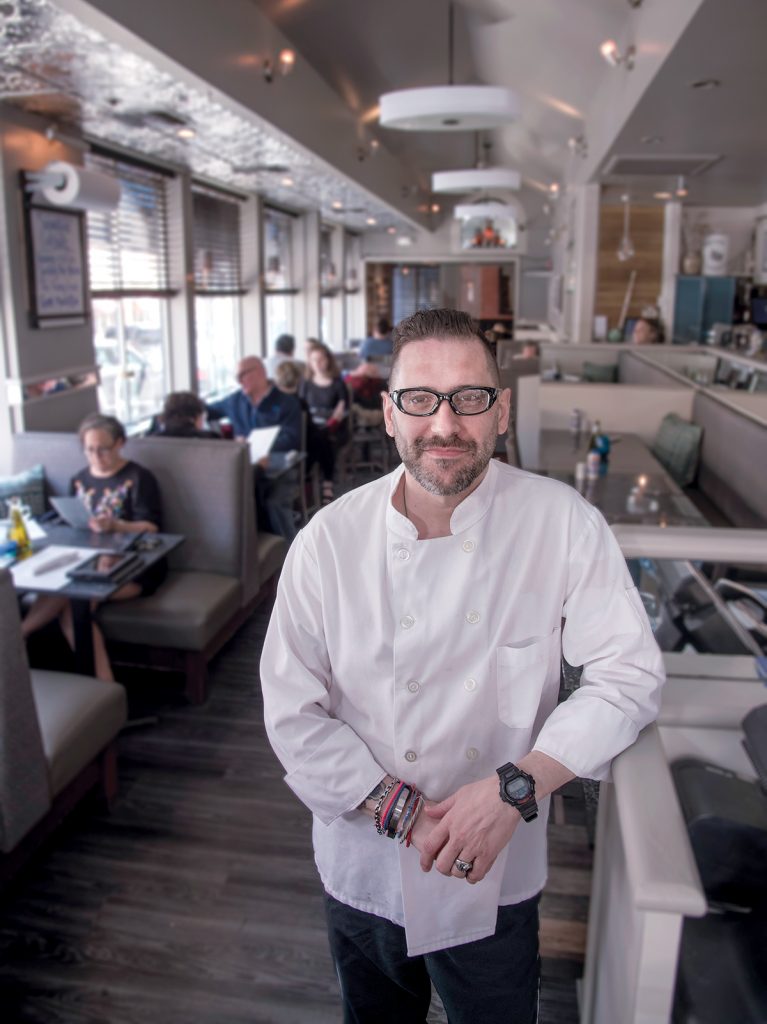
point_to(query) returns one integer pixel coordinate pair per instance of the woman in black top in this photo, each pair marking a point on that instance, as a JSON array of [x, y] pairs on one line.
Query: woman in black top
[[328, 399], [121, 497]]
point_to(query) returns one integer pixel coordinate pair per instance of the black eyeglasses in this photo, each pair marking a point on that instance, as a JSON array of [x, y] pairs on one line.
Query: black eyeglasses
[[466, 401]]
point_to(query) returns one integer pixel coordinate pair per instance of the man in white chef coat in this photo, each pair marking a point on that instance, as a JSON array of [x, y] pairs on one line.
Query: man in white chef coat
[[411, 676]]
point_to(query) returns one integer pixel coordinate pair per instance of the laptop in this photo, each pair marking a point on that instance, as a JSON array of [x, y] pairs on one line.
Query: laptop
[[72, 511]]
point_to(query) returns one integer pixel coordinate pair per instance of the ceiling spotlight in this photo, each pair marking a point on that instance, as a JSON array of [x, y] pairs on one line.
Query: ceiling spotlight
[[371, 221], [662, 195], [287, 182], [374, 145], [337, 204], [186, 133], [614, 57], [681, 187], [391, 231], [554, 189], [435, 207], [286, 61]]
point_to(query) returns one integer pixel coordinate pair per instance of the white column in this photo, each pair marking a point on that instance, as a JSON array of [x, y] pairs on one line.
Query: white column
[[182, 349], [583, 262], [253, 339], [306, 254], [672, 243]]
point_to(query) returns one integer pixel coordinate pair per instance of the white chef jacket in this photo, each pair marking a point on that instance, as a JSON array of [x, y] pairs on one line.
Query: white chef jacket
[[437, 661]]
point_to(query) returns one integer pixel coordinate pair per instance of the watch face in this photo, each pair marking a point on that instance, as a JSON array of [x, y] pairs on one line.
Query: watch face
[[517, 789]]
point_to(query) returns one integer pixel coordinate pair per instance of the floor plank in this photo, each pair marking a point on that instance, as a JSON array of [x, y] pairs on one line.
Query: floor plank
[[196, 900]]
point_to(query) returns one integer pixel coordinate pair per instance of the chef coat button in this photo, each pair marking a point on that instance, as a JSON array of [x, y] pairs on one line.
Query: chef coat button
[[472, 617], [470, 685], [469, 545], [407, 621], [410, 755], [414, 686], [472, 754], [403, 554]]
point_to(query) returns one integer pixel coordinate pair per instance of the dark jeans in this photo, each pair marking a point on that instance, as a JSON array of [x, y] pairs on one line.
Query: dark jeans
[[491, 981]]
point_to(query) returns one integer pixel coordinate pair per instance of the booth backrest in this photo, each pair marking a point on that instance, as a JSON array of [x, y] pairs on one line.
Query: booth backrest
[[206, 487], [731, 460], [24, 785], [646, 373], [618, 407]]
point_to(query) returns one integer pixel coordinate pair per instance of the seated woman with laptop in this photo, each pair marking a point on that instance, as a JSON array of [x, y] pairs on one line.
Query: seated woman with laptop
[[120, 497]]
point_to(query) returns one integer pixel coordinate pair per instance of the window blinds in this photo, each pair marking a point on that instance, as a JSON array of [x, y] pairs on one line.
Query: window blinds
[[216, 233], [128, 247]]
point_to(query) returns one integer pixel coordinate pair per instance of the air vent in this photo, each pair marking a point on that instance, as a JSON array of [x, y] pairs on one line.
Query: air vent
[[139, 118], [658, 165], [260, 169]]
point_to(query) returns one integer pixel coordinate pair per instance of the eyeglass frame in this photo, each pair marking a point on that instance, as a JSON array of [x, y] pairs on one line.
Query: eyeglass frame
[[100, 449], [492, 393]]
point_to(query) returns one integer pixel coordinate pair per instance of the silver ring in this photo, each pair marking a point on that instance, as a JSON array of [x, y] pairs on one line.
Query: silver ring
[[464, 866]]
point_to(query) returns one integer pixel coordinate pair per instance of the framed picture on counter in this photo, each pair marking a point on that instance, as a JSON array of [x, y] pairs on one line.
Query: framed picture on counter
[[57, 266]]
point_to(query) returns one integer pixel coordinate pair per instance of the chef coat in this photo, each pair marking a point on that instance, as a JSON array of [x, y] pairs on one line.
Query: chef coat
[[437, 661]]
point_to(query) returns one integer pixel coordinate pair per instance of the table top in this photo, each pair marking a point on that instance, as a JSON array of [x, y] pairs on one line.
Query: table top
[[61, 535], [618, 492]]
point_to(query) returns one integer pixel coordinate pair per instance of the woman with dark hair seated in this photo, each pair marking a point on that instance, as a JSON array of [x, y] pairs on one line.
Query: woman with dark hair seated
[[183, 415], [121, 497], [328, 399], [647, 331]]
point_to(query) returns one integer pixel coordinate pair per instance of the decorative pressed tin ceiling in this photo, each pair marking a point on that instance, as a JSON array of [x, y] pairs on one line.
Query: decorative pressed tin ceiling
[[53, 65]]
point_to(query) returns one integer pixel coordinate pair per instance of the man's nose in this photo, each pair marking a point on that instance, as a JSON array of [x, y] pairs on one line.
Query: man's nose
[[444, 418]]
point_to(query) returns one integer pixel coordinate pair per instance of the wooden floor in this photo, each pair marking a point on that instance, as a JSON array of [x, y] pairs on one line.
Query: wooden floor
[[196, 901]]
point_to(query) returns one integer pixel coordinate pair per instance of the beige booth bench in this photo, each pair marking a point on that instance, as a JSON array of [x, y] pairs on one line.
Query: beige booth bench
[[215, 578], [57, 741]]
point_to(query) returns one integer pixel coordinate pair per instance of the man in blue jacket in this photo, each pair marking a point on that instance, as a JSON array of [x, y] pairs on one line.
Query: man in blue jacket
[[259, 403]]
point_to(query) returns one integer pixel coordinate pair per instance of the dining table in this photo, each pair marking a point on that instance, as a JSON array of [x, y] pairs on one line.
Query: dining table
[[630, 486], [42, 575]]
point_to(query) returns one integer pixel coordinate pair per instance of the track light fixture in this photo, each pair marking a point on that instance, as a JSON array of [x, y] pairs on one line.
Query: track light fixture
[[286, 61], [681, 187], [611, 53]]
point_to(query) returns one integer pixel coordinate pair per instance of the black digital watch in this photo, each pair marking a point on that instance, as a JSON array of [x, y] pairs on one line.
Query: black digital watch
[[518, 789]]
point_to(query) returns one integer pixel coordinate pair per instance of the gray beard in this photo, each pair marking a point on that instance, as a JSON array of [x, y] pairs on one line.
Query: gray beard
[[463, 477]]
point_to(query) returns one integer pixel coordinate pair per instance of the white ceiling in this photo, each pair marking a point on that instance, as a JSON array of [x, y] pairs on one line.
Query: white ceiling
[[82, 76]]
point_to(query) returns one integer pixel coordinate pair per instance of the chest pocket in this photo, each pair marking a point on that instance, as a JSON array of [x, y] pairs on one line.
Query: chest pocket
[[522, 675]]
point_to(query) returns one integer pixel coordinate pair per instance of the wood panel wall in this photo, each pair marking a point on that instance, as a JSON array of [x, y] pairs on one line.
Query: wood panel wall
[[646, 231]]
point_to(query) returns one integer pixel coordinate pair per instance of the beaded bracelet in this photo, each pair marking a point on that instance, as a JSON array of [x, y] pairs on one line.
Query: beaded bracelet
[[379, 805]]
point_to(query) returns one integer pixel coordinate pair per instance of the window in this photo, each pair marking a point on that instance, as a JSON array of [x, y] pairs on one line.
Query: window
[[128, 261], [279, 273], [218, 287], [414, 287]]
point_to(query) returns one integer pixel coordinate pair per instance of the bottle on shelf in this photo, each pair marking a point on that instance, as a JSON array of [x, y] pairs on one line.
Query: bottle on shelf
[[17, 531]]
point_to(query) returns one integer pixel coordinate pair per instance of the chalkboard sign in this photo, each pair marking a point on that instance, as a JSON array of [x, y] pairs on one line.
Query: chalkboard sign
[[56, 248]]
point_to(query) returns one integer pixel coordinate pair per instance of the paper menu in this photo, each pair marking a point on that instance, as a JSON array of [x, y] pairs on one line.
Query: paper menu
[[260, 442], [28, 574]]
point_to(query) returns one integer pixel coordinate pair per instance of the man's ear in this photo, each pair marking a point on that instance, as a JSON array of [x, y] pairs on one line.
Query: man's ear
[[388, 411], [504, 402]]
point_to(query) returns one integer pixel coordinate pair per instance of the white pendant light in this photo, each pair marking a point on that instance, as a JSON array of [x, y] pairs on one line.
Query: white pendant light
[[475, 179], [489, 208], [448, 108]]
